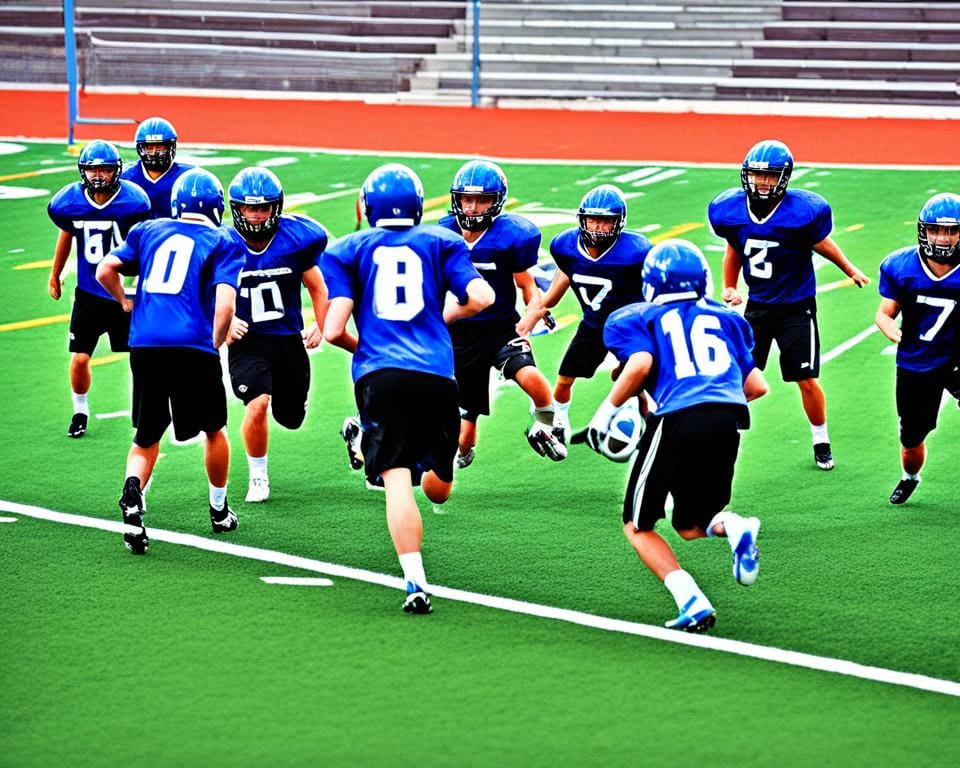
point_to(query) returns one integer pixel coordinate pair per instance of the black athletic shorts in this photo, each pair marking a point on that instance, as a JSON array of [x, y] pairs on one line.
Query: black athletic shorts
[[268, 364], [689, 454], [185, 385], [410, 419], [794, 327], [93, 316], [918, 401], [480, 346], [584, 354]]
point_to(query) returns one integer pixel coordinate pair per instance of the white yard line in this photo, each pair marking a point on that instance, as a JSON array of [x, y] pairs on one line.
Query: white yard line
[[777, 655]]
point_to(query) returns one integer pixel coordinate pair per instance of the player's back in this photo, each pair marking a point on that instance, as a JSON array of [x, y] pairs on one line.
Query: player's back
[[701, 350], [606, 283], [398, 279], [180, 264], [158, 190]]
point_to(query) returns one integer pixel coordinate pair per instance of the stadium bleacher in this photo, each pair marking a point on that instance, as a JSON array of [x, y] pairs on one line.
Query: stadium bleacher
[[422, 50]]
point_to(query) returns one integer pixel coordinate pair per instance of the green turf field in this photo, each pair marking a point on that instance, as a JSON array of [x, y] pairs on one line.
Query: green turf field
[[185, 657]]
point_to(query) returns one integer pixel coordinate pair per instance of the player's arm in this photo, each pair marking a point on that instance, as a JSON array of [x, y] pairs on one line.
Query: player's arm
[[731, 276], [755, 385], [223, 312], [335, 324], [108, 275], [61, 252], [480, 295], [317, 290], [628, 383], [540, 306], [831, 252], [886, 320]]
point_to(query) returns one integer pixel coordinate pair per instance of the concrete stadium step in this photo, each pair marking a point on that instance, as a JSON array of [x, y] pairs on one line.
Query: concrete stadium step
[[678, 28], [855, 51], [437, 9], [613, 46], [875, 11], [880, 31], [594, 65], [630, 12], [865, 91], [902, 71], [521, 84]]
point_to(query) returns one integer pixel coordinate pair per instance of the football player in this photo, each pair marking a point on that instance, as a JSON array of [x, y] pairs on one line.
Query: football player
[[693, 355], [603, 263], [772, 233], [97, 211], [269, 368], [189, 269], [156, 170], [393, 279], [922, 283], [503, 247]]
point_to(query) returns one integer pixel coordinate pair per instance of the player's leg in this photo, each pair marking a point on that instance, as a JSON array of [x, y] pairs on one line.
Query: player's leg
[[406, 532], [79, 387], [466, 451], [918, 406], [580, 361], [255, 432], [252, 379]]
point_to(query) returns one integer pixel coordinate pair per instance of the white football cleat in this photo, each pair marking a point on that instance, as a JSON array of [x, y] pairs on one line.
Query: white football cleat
[[258, 490]]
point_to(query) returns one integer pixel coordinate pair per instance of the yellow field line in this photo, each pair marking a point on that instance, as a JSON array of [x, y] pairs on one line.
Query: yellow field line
[[35, 264], [106, 359], [676, 231], [37, 322], [40, 172]]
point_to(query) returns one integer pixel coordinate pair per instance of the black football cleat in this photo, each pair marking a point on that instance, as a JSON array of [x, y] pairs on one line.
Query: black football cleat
[[823, 456], [417, 601], [131, 507], [351, 434], [78, 425], [223, 520], [904, 490]]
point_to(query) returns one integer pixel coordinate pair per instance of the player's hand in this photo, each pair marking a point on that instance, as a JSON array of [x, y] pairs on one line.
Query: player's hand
[[55, 288], [312, 336], [597, 429], [859, 278], [731, 296], [238, 329], [127, 305], [523, 328]]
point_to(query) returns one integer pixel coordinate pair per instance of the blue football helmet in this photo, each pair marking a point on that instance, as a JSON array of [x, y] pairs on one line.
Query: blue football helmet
[[100, 154], [605, 201], [675, 270], [152, 131], [770, 156], [942, 209], [478, 177], [198, 192], [392, 196], [256, 186]]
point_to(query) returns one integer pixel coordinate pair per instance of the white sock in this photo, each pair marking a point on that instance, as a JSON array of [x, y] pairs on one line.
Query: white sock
[[218, 497], [561, 412], [819, 433], [412, 565], [80, 404], [908, 476], [684, 588], [257, 465], [544, 415]]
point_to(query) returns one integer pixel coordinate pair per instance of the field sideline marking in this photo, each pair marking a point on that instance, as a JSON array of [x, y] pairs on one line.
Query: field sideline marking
[[739, 648]]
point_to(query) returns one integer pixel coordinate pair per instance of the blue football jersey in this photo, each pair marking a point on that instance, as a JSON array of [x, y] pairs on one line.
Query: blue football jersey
[[702, 350], [180, 264], [604, 284], [930, 315], [398, 280], [98, 229], [269, 298], [776, 253], [511, 244], [158, 190]]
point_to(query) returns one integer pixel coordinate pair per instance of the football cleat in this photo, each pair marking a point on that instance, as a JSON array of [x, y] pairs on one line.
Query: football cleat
[[223, 520], [698, 621], [464, 460], [78, 425], [545, 442], [823, 456], [417, 601], [904, 490], [132, 508], [258, 489], [746, 554], [351, 434]]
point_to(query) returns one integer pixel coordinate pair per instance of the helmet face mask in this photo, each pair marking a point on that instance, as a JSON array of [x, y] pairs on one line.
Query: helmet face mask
[[675, 270], [255, 191], [100, 167], [478, 178], [156, 142], [601, 204], [392, 196], [938, 229], [766, 171]]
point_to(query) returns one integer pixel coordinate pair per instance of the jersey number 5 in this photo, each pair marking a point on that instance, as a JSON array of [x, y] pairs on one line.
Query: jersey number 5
[[703, 353]]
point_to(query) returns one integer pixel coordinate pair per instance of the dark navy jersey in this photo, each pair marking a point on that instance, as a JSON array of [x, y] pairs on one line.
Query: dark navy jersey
[[776, 253], [511, 244], [98, 228], [604, 284], [269, 298], [158, 190], [929, 310], [398, 280], [702, 350], [180, 264]]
